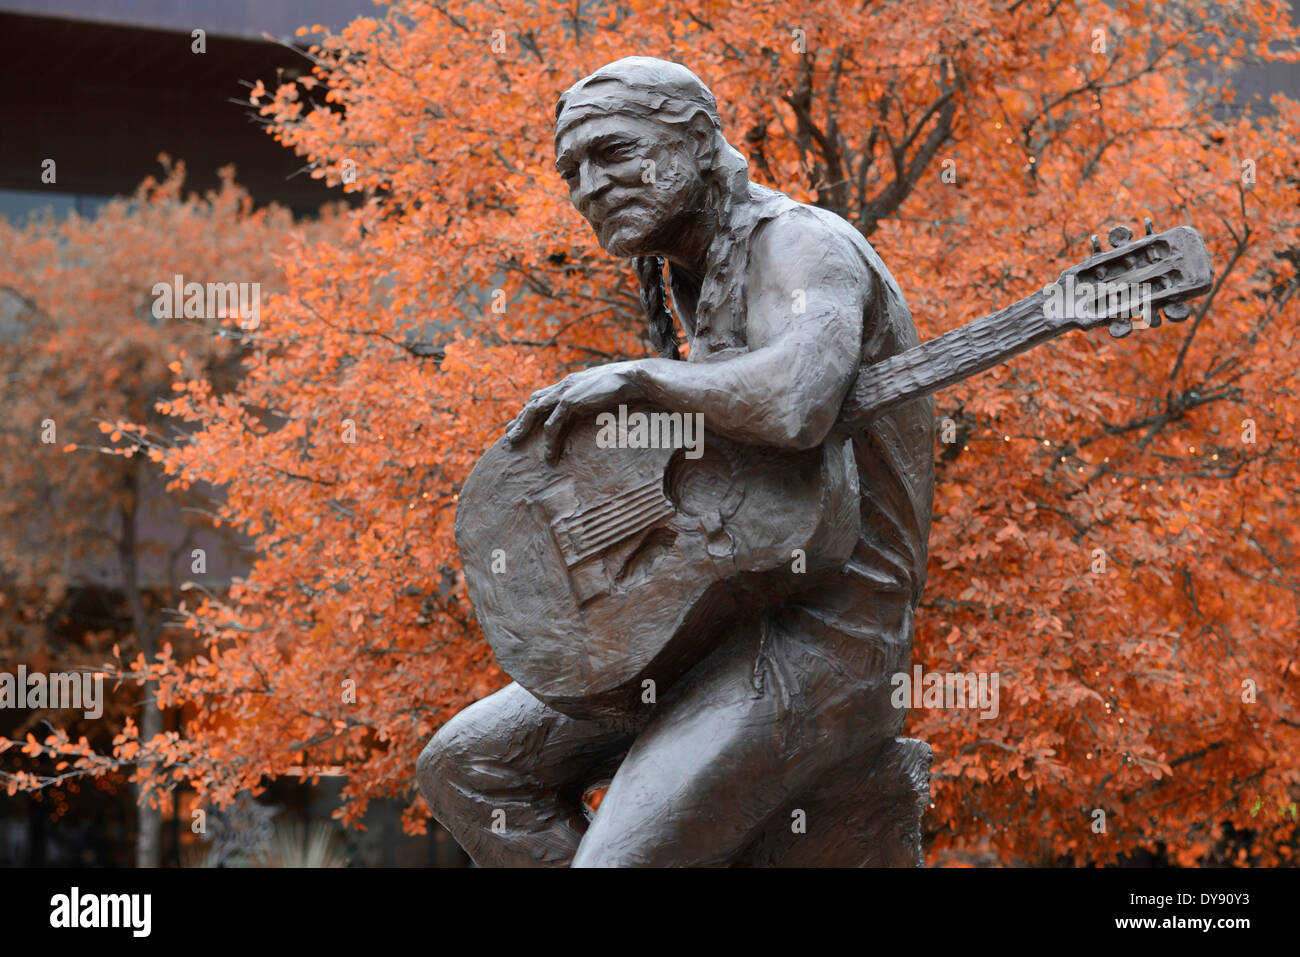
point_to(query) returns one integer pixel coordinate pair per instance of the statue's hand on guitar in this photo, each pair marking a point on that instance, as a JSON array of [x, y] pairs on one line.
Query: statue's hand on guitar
[[576, 395]]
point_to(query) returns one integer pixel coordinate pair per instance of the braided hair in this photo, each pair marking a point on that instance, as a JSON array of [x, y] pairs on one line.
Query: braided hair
[[663, 333]]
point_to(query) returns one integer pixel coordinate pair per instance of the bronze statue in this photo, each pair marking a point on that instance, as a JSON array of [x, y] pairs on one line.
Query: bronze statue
[[709, 620]]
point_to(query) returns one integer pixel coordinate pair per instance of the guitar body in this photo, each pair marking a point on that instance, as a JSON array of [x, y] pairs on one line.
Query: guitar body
[[620, 565]]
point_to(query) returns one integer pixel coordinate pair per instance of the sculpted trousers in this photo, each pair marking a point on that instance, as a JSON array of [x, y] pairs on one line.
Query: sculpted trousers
[[790, 715]]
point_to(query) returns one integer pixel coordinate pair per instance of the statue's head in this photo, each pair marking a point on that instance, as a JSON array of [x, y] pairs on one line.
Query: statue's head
[[641, 147], [639, 143]]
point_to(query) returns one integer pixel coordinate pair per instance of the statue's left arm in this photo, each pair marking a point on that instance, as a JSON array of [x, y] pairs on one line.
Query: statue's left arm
[[806, 294]]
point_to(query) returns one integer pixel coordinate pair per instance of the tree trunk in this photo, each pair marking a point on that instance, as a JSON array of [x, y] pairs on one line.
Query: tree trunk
[[148, 843]]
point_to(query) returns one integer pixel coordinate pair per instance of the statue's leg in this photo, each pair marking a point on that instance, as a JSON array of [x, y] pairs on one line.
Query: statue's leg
[[865, 812], [766, 716], [506, 777]]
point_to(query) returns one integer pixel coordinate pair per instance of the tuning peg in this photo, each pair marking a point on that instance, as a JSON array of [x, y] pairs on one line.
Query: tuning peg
[[1147, 223], [1177, 311], [1119, 236], [1121, 327], [1147, 318], [1096, 243]]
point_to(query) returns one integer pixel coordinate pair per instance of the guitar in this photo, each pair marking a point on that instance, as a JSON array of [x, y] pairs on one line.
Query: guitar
[[617, 566]]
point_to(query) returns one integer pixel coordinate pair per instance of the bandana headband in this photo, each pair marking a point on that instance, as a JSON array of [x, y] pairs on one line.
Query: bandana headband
[[636, 86]]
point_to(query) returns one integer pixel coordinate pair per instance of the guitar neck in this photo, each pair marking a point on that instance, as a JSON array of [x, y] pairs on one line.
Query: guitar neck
[[950, 358]]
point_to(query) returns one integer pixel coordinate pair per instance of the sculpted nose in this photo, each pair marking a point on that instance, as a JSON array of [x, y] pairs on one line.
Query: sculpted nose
[[592, 183]]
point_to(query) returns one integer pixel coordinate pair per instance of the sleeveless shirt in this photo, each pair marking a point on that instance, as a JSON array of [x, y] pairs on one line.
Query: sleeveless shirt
[[894, 452]]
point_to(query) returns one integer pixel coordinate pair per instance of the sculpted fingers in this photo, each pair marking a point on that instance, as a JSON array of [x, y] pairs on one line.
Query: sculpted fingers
[[539, 406], [553, 431], [556, 405]]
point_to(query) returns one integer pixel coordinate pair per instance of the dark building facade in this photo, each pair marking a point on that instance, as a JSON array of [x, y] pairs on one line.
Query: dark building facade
[[102, 87]]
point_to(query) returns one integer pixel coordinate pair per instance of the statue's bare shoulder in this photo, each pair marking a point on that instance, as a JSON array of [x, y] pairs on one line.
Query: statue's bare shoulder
[[807, 280]]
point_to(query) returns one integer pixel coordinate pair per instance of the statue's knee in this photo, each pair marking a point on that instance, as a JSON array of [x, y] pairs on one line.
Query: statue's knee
[[440, 765]]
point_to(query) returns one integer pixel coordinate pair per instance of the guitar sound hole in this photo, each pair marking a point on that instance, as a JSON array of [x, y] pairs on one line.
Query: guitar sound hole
[[698, 486]]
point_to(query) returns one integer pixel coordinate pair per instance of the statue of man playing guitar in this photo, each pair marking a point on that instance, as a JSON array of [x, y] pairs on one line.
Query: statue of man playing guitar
[[754, 753]]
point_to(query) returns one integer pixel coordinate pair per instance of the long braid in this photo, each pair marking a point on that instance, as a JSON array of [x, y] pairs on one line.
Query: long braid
[[663, 332]]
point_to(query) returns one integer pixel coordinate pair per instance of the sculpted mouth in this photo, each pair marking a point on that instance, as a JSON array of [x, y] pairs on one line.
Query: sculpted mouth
[[609, 215], [619, 210]]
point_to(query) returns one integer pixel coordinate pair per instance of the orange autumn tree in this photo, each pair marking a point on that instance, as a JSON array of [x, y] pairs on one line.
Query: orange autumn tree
[[84, 350], [1113, 532]]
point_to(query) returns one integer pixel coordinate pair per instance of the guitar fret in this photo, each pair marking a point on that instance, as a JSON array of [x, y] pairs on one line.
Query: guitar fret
[[952, 357]]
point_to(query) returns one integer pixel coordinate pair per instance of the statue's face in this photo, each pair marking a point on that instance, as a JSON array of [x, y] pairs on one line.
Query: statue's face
[[635, 180]]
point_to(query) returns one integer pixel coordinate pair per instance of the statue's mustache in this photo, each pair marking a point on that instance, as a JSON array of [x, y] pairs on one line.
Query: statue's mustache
[[608, 208]]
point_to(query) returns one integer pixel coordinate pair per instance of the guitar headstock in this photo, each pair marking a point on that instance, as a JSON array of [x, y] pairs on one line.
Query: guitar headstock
[[1135, 279]]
